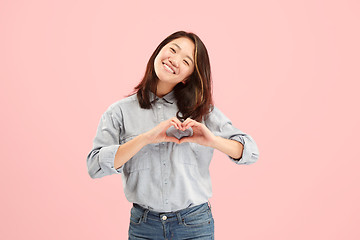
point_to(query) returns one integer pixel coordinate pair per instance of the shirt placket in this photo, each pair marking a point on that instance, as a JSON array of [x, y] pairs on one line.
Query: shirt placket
[[163, 158]]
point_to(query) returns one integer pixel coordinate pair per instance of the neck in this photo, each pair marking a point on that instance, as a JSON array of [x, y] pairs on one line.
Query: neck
[[163, 89]]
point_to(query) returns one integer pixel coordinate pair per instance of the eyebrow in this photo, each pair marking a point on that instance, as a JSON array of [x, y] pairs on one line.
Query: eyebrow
[[186, 55]]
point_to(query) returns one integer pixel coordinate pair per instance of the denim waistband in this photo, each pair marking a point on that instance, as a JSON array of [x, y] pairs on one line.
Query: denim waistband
[[169, 216]]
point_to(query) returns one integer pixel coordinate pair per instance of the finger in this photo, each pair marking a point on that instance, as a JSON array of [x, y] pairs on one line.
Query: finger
[[187, 120], [191, 124], [174, 124], [176, 121], [167, 124], [182, 125], [170, 122]]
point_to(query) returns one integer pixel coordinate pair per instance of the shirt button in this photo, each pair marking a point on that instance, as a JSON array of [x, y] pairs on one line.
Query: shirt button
[[164, 218], [159, 106]]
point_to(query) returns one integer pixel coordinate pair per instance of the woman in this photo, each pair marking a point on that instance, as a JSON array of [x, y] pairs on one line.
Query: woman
[[161, 140]]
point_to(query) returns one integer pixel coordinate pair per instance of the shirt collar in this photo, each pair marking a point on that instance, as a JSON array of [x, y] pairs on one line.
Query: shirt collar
[[170, 97]]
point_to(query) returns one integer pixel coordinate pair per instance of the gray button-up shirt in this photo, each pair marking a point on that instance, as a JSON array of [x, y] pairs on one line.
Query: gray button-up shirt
[[164, 176]]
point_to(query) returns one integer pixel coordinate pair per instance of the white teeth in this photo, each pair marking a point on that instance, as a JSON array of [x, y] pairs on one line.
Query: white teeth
[[169, 68]]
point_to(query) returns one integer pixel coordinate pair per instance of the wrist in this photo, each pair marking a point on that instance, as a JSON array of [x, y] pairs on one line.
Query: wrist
[[215, 142]]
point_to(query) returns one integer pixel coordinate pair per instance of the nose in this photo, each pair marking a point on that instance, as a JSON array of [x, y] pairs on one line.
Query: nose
[[173, 62]]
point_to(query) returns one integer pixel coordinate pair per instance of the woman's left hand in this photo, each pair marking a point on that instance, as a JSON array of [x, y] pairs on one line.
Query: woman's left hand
[[201, 134]]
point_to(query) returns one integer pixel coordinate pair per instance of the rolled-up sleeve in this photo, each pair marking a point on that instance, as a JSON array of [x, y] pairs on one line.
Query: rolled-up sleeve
[[220, 125], [100, 160]]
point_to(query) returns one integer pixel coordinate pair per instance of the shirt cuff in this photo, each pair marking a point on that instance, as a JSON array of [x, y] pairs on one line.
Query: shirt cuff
[[106, 160], [248, 156]]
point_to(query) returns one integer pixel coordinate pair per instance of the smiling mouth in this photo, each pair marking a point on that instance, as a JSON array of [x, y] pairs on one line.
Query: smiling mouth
[[168, 68]]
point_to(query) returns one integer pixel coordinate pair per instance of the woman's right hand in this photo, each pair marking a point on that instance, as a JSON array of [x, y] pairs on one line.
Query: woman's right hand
[[158, 133]]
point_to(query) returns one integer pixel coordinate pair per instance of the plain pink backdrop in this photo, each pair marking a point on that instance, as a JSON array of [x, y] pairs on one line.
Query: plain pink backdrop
[[285, 72]]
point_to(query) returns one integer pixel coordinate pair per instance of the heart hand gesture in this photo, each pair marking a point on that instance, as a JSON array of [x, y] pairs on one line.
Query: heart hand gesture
[[201, 134]]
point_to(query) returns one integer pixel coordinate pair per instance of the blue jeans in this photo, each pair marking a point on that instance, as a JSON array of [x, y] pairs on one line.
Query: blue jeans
[[191, 223]]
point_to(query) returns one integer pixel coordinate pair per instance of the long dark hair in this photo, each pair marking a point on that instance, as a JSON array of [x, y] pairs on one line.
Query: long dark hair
[[194, 99]]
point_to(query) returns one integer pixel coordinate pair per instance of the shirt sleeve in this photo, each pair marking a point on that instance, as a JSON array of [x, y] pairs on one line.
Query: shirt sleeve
[[221, 126], [100, 160]]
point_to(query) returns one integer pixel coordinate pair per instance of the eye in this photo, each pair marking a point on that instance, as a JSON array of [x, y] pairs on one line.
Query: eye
[[173, 50], [186, 62]]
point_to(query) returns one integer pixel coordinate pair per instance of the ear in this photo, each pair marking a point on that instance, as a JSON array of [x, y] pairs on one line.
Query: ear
[[184, 82]]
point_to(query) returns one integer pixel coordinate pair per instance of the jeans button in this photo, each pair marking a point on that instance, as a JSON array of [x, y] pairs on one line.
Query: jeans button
[[164, 218]]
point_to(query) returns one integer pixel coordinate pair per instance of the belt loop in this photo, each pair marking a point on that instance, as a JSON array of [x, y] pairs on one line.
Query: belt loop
[[145, 215], [178, 217], [209, 204]]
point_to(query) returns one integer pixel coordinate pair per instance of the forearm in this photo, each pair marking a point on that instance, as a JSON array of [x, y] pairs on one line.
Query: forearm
[[129, 149], [230, 147]]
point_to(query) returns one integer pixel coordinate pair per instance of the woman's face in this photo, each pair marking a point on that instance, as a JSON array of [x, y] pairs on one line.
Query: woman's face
[[175, 62]]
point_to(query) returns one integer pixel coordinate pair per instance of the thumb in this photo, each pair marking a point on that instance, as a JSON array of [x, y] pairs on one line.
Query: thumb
[[172, 139], [185, 139]]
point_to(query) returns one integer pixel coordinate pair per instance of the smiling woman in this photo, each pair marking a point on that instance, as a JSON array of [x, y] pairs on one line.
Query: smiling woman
[[171, 66], [190, 79], [161, 139]]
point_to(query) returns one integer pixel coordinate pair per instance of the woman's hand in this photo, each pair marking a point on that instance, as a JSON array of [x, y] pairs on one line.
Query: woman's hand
[[201, 134], [158, 133]]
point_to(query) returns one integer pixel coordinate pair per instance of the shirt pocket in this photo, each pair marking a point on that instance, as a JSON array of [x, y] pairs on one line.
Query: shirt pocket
[[198, 155], [189, 153], [140, 161]]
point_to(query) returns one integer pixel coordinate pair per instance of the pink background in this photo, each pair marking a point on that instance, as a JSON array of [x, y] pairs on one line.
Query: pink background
[[285, 72]]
